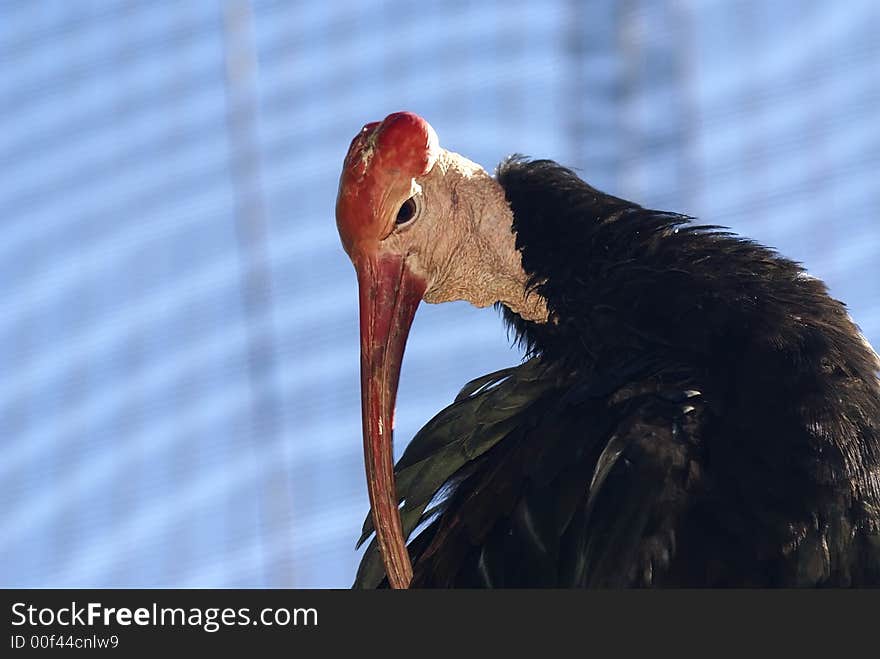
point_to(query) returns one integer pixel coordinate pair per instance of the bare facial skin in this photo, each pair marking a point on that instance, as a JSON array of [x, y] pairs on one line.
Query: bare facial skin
[[460, 239]]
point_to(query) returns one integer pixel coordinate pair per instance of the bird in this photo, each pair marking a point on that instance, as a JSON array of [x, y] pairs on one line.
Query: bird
[[692, 409]]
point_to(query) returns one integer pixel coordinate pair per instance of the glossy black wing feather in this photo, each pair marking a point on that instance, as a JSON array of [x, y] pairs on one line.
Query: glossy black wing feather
[[481, 415], [642, 488], [508, 522], [484, 413]]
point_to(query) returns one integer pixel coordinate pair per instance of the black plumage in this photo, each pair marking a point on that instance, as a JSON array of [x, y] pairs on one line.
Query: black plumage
[[697, 412]]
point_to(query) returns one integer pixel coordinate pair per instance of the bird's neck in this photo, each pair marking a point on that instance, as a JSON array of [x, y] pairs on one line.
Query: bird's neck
[[487, 267], [511, 285], [627, 285], [587, 254]]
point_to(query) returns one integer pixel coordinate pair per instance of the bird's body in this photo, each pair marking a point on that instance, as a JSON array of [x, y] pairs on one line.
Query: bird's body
[[696, 411]]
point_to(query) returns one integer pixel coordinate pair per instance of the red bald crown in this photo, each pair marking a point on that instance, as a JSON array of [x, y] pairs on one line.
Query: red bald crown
[[377, 175]]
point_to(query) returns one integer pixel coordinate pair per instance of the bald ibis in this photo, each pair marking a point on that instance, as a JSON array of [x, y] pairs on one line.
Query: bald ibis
[[694, 409]]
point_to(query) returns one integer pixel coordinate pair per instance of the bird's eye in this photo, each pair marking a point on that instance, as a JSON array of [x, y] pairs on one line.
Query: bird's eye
[[407, 211]]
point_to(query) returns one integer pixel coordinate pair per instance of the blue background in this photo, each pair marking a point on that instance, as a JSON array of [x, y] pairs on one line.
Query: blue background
[[178, 323]]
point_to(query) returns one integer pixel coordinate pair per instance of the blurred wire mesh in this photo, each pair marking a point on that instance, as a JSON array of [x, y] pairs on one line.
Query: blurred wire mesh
[[178, 336]]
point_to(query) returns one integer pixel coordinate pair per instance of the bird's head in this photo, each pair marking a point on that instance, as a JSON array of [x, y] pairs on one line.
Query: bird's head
[[419, 222]]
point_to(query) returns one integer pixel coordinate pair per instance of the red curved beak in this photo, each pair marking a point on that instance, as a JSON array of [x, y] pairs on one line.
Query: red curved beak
[[389, 295]]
